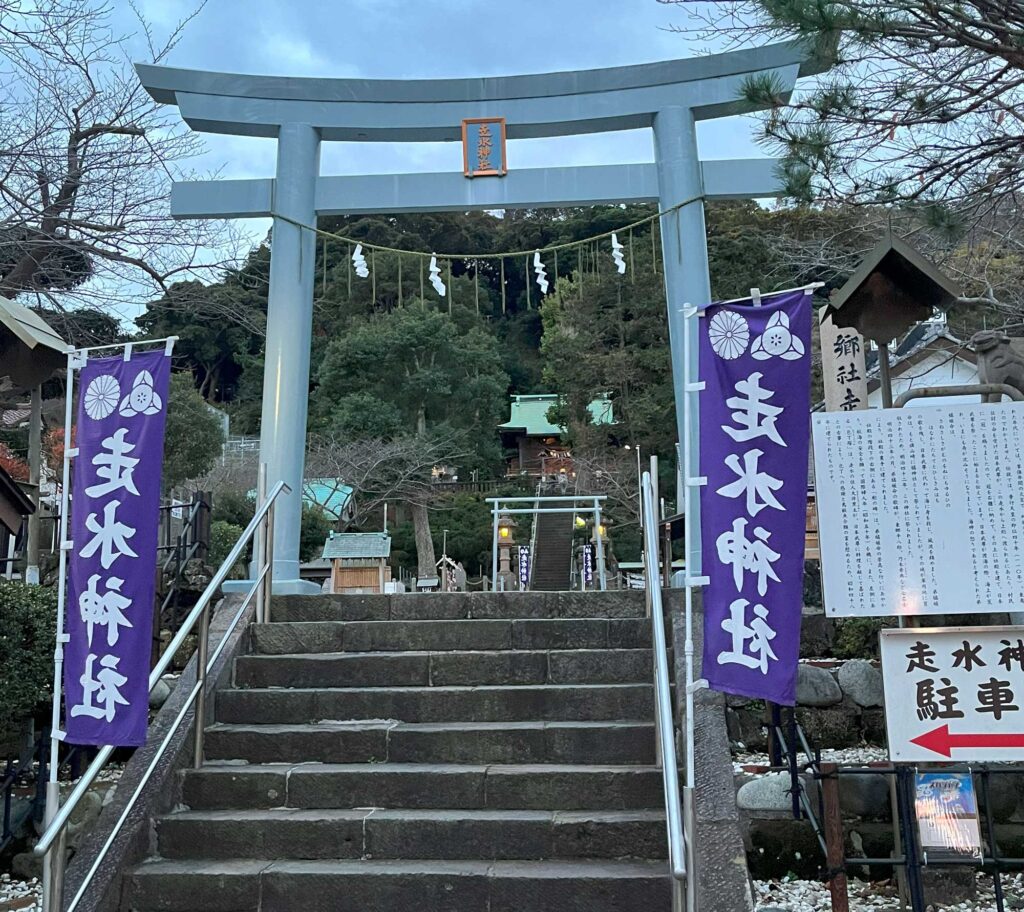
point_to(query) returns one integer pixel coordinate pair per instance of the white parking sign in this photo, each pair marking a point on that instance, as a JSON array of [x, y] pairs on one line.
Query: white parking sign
[[954, 693]]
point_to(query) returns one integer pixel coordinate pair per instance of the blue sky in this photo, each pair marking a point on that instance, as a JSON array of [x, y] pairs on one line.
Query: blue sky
[[432, 38]]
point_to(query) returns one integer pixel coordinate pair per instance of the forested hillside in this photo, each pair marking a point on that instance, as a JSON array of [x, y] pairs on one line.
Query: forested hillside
[[394, 361]]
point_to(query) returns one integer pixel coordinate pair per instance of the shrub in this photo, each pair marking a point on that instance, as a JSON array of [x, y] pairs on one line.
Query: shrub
[[857, 638], [223, 536], [28, 618]]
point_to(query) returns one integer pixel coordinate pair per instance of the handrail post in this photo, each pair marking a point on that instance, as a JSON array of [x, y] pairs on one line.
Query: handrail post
[[494, 545], [202, 659], [602, 576], [259, 545], [268, 562], [54, 864]]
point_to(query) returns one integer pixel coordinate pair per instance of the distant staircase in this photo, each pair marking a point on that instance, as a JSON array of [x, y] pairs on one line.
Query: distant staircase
[[552, 555], [483, 752]]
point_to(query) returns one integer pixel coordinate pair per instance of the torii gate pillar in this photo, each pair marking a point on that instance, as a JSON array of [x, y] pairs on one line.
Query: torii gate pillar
[[289, 335], [687, 279]]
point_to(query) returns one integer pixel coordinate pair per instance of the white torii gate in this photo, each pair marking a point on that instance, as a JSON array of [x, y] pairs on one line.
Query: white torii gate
[[669, 97]]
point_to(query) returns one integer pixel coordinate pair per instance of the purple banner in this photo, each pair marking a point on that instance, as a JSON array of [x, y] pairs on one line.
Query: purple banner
[[588, 564], [524, 566], [114, 525], [754, 440]]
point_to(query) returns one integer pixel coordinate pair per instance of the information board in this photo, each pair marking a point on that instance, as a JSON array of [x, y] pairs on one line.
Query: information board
[[954, 693], [919, 510], [947, 816]]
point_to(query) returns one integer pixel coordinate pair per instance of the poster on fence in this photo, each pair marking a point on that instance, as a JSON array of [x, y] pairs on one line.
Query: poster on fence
[[114, 523], [755, 363], [947, 816]]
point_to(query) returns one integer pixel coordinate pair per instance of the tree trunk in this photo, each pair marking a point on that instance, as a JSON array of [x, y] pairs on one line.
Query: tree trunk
[[426, 562]]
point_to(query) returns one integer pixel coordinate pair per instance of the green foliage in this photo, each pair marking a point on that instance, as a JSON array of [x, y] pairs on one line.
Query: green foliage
[[232, 507], [234, 510], [416, 368], [27, 629], [218, 329], [316, 526], [223, 537], [363, 416], [467, 517], [194, 436], [83, 326], [857, 638]]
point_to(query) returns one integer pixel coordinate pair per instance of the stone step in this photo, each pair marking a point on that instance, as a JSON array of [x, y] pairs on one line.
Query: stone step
[[384, 886], [545, 702], [284, 638], [457, 668], [458, 606], [451, 742], [289, 833], [571, 787]]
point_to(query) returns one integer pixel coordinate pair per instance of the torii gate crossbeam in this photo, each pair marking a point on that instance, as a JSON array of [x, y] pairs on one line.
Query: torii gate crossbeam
[[669, 97]]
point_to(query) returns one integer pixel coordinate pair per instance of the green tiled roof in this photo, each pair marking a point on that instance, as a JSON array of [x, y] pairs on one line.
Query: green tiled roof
[[530, 414], [330, 494], [351, 545]]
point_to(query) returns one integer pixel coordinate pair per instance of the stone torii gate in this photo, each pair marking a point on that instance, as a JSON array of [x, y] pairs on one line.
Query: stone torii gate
[[669, 97]]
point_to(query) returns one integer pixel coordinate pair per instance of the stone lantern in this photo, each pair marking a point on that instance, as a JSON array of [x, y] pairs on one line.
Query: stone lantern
[[506, 541]]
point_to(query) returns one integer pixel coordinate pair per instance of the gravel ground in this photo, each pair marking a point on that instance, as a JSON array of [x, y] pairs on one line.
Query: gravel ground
[[774, 895], [24, 896], [811, 896], [858, 755]]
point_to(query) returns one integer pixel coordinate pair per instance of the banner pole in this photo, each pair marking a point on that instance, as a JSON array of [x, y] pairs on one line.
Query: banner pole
[[691, 389], [56, 735]]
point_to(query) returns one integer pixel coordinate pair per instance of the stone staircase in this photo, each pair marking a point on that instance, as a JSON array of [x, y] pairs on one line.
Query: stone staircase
[[552, 562], [490, 752]]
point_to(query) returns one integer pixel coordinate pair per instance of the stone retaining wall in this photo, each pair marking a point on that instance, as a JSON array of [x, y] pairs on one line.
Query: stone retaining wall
[[839, 704]]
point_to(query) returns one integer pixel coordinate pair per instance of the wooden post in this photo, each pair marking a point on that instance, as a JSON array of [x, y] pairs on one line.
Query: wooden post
[[35, 448], [884, 377], [834, 840]]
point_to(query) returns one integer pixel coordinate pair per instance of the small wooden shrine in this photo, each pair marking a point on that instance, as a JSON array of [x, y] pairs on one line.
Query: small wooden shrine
[[359, 561]]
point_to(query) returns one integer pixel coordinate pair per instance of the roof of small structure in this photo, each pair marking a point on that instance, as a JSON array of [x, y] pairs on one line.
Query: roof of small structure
[[13, 498], [530, 415], [30, 349], [892, 289], [330, 494], [354, 545]]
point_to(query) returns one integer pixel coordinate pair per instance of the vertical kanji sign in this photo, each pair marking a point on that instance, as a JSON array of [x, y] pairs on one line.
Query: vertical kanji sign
[[954, 693], [524, 566], [843, 367], [754, 441], [114, 525]]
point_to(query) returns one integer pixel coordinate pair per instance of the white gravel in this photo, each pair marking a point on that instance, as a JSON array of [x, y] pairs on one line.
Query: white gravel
[[789, 895], [846, 755], [812, 896], [20, 894]]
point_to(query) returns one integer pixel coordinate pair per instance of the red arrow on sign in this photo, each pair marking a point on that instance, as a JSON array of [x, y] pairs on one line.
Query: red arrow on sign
[[941, 741]]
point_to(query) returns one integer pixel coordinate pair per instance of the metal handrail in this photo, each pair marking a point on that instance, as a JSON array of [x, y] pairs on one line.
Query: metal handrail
[[533, 539], [52, 843], [664, 715]]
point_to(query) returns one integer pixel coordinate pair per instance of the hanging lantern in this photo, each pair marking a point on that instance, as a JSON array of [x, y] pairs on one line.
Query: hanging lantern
[[620, 260], [359, 262], [540, 272], [435, 277]]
